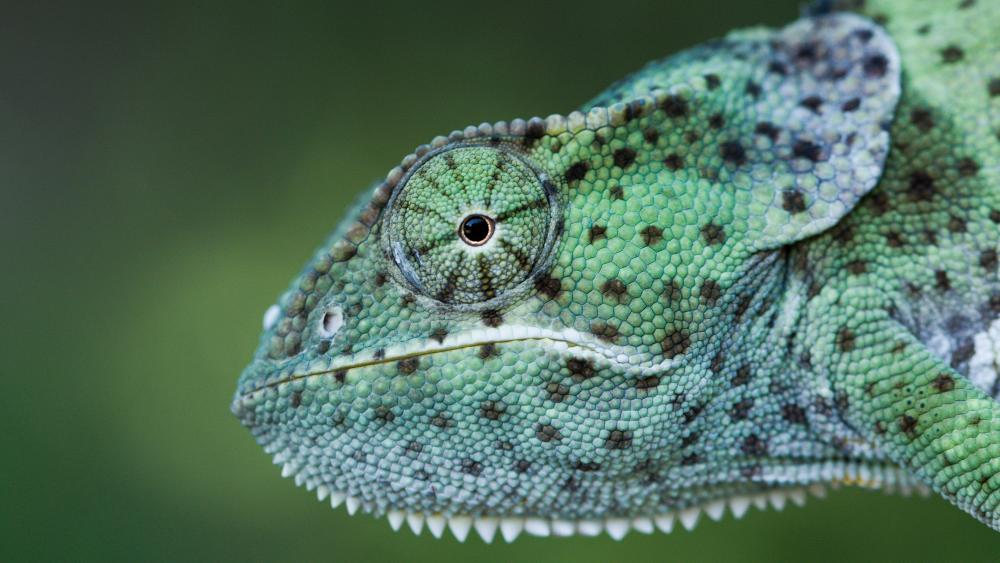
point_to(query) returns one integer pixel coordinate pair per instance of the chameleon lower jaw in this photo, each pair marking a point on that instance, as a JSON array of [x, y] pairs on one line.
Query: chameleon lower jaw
[[886, 478]]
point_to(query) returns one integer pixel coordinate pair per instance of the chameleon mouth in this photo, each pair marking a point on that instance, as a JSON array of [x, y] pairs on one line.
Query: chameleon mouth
[[582, 345], [887, 478]]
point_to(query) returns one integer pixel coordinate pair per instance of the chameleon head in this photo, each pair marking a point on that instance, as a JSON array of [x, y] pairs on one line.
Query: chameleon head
[[538, 320]]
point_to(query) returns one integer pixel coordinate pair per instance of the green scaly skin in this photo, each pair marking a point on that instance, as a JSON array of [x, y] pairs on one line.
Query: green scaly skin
[[766, 263]]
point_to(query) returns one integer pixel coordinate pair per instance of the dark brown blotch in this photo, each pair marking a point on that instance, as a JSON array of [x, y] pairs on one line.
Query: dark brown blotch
[[733, 153], [614, 288], [713, 234], [793, 201], [845, 340], [652, 235], [547, 433], [596, 233], [576, 172], [580, 369], [675, 343], [673, 161], [408, 366], [618, 440], [952, 54], [548, 286], [922, 118], [492, 410], [624, 157]]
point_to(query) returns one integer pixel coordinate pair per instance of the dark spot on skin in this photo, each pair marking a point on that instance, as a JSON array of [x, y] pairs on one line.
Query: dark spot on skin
[[793, 201], [753, 446], [672, 291], [712, 81], [576, 172], [966, 4], [624, 157], [805, 361], [604, 331], [571, 485], [586, 466], [651, 135], [894, 239], [340, 376], [865, 35], [614, 288], [921, 186], [845, 340], [547, 433], [617, 192], [673, 162], [993, 87], [776, 68], [441, 420], [806, 149], [597, 232], [713, 234], [471, 467], [296, 399], [768, 130], [857, 267], [995, 215], [924, 29], [793, 413], [753, 89], [492, 318], [557, 391], [492, 410], [742, 376], [535, 130], [323, 346], [522, 466], [844, 234], [690, 459], [379, 355], [580, 369], [922, 118], [876, 66], [439, 334], [812, 103], [710, 291], [548, 286], [408, 366], [851, 105], [733, 152], [618, 440], [691, 414], [675, 343], [941, 280], [967, 167], [952, 54], [674, 106], [716, 121], [384, 414], [908, 425], [879, 203], [806, 52], [930, 237], [487, 351], [957, 224], [965, 351], [380, 279], [652, 235], [647, 383], [988, 260], [741, 410], [414, 447]]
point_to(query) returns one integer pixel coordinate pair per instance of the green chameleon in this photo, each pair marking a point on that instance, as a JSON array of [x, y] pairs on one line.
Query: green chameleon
[[763, 265]]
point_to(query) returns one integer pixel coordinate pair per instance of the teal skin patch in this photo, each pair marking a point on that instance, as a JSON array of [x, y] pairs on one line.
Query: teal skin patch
[[763, 264]]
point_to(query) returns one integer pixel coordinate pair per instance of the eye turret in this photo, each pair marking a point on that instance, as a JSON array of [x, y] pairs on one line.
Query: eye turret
[[470, 224]]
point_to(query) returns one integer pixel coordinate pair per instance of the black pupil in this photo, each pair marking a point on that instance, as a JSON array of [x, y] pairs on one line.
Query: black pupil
[[476, 229]]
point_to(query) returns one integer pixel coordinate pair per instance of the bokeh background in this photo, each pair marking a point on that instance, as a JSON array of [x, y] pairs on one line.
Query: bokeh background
[[166, 169]]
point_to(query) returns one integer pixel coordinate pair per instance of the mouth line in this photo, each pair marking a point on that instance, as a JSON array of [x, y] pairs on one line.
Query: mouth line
[[582, 345]]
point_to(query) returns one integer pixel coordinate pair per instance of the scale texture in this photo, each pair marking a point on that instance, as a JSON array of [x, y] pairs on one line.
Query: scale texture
[[765, 263]]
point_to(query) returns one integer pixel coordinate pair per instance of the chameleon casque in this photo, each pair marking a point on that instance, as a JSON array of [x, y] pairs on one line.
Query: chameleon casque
[[765, 264]]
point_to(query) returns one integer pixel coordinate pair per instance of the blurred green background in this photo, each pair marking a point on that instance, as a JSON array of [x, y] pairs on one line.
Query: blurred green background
[[167, 169]]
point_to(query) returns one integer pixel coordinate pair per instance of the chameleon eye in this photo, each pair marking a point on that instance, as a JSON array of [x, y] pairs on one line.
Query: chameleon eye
[[470, 224]]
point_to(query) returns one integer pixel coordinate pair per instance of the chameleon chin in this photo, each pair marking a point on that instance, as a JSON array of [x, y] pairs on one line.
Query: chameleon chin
[[761, 266]]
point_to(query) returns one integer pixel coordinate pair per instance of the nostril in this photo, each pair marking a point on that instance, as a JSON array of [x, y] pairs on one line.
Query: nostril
[[331, 322]]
